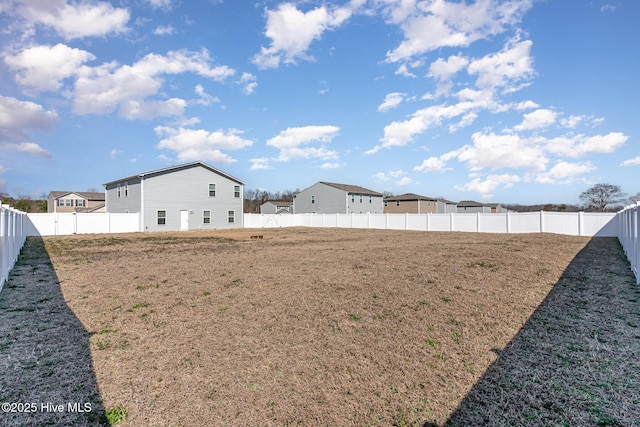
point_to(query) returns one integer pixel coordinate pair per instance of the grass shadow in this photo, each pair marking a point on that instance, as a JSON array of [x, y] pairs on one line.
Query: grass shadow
[[45, 363], [576, 361]]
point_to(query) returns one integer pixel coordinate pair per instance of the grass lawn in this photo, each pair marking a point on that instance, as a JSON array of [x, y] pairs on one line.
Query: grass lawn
[[323, 327]]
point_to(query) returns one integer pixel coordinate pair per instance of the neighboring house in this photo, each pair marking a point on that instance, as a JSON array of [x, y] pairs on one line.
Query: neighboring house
[[469, 206], [276, 207], [75, 201], [496, 208], [329, 197], [414, 203], [447, 206], [184, 197]]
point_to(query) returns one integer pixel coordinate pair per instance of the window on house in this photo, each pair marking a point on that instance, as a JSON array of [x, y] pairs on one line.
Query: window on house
[[361, 198], [206, 217], [397, 202], [236, 191], [126, 189], [232, 217], [65, 202], [80, 203], [353, 198], [386, 203], [370, 199], [118, 190], [212, 190], [162, 217], [313, 199]]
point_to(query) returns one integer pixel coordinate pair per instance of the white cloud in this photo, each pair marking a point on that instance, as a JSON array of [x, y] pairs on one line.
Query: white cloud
[[564, 172], [260, 164], [115, 153], [392, 100], [443, 69], [192, 144], [292, 31], [293, 142], [526, 105], [399, 134], [631, 162], [493, 151], [249, 83], [487, 186], [404, 181], [432, 164], [540, 118], [572, 122], [44, 67], [160, 4], [73, 20], [506, 68], [580, 145], [27, 147], [17, 118], [205, 98], [105, 88], [164, 30], [428, 26], [330, 165]]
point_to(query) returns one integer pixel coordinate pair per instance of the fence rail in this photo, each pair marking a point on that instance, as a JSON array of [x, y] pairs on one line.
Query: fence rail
[[59, 224], [12, 237], [572, 223], [628, 223]]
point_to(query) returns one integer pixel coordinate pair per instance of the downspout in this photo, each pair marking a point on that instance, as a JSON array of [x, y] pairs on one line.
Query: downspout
[[142, 203]]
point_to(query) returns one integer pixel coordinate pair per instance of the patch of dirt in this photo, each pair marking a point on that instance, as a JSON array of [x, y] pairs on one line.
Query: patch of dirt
[[321, 326]]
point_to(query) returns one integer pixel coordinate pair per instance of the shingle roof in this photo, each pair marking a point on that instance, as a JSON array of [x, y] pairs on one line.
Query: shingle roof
[[177, 167], [280, 202], [352, 189], [409, 196], [470, 204], [89, 195]]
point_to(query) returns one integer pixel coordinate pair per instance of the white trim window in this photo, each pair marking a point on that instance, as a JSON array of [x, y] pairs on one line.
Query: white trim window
[[80, 203], [236, 191], [206, 217], [231, 216], [313, 199], [212, 190], [126, 189], [161, 216], [118, 189]]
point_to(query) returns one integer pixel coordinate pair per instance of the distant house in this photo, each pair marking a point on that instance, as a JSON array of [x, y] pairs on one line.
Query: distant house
[[75, 201], [276, 207], [329, 197], [470, 206], [414, 203], [496, 208], [184, 197]]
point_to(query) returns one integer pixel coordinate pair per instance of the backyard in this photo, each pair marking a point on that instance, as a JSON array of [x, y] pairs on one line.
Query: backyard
[[304, 326]]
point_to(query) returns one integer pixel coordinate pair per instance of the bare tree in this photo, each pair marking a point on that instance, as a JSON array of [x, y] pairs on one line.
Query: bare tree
[[602, 195], [635, 198]]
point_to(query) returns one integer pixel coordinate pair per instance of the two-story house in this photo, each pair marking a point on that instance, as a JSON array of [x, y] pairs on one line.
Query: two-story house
[[75, 201], [184, 197], [329, 197]]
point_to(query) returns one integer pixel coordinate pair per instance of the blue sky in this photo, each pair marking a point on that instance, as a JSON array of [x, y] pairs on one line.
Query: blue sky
[[524, 101]]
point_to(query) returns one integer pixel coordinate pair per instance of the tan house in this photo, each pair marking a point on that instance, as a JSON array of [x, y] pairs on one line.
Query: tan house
[[414, 203], [75, 201]]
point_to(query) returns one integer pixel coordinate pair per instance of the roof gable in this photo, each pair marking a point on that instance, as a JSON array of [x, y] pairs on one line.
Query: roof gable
[[89, 195], [174, 169]]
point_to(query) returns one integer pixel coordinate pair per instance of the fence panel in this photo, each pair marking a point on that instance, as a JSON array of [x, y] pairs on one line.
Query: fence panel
[[13, 226], [492, 222], [440, 222], [526, 222], [467, 222]]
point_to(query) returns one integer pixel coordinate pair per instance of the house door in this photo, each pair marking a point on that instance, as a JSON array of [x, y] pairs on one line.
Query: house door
[[184, 220]]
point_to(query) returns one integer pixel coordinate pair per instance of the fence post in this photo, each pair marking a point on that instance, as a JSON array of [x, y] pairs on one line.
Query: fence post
[[542, 221], [580, 223], [451, 221], [477, 222], [428, 220], [508, 224]]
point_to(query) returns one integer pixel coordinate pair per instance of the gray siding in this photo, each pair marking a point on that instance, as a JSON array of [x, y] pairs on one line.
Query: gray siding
[[188, 189], [357, 203], [327, 200], [125, 203]]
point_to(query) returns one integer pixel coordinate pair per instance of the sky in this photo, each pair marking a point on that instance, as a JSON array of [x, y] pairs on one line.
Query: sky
[[516, 102]]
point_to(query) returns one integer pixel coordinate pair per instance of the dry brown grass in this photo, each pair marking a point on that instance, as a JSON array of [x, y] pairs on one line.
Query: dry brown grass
[[351, 327]]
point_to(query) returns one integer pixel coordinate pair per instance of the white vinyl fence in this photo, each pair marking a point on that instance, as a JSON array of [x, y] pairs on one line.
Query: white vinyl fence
[[628, 234], [58, 224], [12, 237], [572, 223]]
